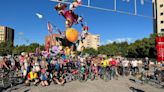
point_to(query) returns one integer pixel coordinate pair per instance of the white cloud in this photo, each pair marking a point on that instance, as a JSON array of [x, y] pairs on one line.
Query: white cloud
[[118, 40], [109, 41], [123, 40], [21, 33]]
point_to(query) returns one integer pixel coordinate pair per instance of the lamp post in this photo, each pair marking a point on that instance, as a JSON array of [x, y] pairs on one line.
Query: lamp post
[[154, 8], [89, 2], [115, 5], [135, 7]]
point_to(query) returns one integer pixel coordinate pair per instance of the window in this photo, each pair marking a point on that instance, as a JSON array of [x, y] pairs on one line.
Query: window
[[161, 22], [161, 13], [162, 30], [161, 5]]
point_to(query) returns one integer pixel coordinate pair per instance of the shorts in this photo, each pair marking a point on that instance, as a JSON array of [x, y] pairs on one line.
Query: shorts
[[43, 77]]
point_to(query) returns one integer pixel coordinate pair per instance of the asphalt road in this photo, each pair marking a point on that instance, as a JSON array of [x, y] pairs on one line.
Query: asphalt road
[[121, 85]]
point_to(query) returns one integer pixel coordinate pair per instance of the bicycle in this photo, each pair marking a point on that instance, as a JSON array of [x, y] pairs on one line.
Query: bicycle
[[10, 78], [153, 80], [68, 77], [104, 74], [82, 74], [75, 74], [156, 79], [91, 76]]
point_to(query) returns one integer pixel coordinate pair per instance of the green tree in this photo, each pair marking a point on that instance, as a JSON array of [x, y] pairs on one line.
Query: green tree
[[6, 48], [143, 48], [140, 48], [19, 49], [90, 51], [32, 47], [113, 49]]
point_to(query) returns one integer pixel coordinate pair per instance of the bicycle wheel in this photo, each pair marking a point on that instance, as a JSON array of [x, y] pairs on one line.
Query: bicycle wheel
[[11, 74], [92, 76], [82, 78], [18, 80], [67, 77]]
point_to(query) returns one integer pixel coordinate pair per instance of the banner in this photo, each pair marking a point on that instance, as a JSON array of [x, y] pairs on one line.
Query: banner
[[50, 27], [160, 48]]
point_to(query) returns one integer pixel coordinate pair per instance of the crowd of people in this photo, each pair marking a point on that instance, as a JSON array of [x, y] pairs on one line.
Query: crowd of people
[[44, 70]]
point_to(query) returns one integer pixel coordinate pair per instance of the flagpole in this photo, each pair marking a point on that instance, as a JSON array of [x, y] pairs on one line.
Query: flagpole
[[50, 31]]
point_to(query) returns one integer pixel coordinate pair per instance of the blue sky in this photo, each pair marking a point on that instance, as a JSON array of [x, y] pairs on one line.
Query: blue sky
[[111, 26]]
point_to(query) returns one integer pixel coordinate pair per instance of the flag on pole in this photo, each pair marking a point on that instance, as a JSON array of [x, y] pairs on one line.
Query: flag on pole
[[50, 27], [39, 15]]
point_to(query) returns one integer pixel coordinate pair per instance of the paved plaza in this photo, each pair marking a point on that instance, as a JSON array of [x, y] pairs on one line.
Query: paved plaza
[[121, 85]]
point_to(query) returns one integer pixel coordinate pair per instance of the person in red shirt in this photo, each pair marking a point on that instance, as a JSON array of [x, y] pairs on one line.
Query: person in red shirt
[[113, 62], [113, 68]]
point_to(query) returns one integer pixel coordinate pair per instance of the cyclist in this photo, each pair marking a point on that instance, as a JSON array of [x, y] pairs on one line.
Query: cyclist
[[95, 70], [44, 73], [88, 65], [113, 68], [3, 63], [33, 76], [57, 77], [104, 64], [134, 66], [125, 64], [146, 64]]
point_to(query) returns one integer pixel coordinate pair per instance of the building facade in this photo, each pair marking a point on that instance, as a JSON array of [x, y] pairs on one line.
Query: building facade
[[159, 16], [6, 34], [92, 41], [158, 10], [51, 40]]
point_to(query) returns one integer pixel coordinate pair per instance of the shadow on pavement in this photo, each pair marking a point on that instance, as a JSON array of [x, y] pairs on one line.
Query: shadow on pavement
[[135, 89], [28, 90]]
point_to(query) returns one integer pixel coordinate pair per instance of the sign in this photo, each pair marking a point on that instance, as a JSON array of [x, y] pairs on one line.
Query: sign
[[160, 48]]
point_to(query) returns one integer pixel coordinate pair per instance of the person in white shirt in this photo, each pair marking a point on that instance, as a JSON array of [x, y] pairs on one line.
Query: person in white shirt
[[125, 64], [134, 64]]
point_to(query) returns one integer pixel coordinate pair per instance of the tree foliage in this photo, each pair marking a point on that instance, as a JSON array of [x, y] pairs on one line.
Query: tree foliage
[[6, 48], [140, 48], [30, 48], [90, 51]]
